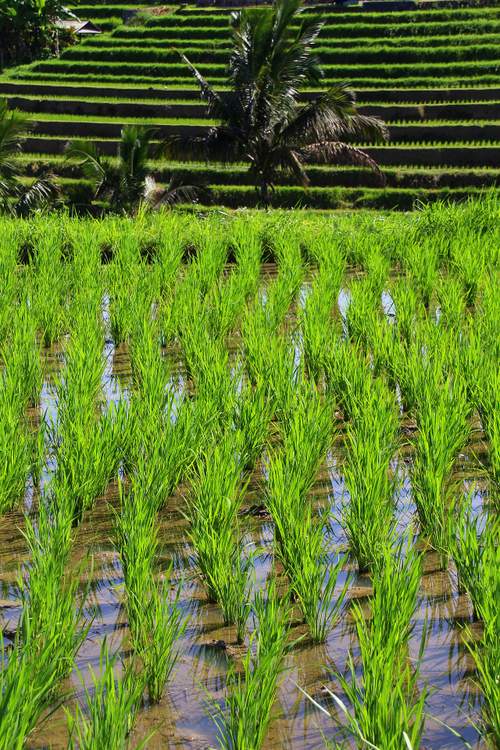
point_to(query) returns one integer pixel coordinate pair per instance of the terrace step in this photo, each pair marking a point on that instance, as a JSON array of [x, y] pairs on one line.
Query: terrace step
[[450, 111], [489, 68], [394, 156], [410, 95], [420, 133], [450, 29], [79, 195], [185, 82], [337, 53], [321, 176]]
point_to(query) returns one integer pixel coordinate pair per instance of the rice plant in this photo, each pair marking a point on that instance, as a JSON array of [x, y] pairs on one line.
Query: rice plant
[[421, 263], [299, 530], [111, 707], [50, 631], [263, 320], [368, 514], [487, 391], [155, 619], [475, 554], [49, 285], [385, 705], [468, 262], [364, 307], [252, 418], [20, 385], [407, 308], [452, 302], [251, 691], [442, 418], [215, 499], [87, 439], [226, 300], [27, 689], [208, 363], [317, 314], [15, 457], [347, 371], [163, 626], [486, 655]]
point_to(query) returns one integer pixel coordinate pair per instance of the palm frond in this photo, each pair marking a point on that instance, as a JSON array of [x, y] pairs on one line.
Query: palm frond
[[290, 161], [215, 105], [336, 152], [89, 160], [175, 192], [221, 144], [333, 116], [43, 192], [13, 130]]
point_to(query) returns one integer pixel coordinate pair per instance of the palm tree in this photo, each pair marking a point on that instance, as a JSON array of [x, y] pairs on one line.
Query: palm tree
[[15, 197], [262, 120], [126, 183]]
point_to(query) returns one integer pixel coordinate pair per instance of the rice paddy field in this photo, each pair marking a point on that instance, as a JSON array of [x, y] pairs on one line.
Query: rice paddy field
[[249, 481], [432, 73]]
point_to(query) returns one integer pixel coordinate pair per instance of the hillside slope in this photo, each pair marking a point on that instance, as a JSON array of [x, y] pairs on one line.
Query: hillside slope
[[432, 75]]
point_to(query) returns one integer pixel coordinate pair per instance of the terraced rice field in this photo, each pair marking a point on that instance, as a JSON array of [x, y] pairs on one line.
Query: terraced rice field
[[245, 459], [433, 75]]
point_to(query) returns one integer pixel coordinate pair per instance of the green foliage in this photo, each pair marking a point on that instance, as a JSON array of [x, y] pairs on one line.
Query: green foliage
[[27, 27], [127, 185], [15, 197]]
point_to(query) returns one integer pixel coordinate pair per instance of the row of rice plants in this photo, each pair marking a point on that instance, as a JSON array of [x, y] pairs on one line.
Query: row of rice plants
[[251, 690], [221, 471], [300, 543], [473, 545], [159, 448], [51, 627], [20, 385], [385, 703], [86, 436]]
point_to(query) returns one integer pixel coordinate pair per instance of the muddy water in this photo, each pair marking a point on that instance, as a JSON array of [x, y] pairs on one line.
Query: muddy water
[[180, 720]]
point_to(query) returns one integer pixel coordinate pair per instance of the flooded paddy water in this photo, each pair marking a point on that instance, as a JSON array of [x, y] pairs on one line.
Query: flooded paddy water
[[181, 720]]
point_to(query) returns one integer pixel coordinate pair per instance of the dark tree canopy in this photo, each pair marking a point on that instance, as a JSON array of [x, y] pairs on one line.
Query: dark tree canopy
[[27, 28]]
